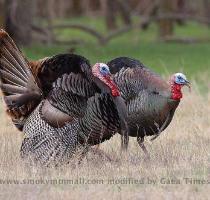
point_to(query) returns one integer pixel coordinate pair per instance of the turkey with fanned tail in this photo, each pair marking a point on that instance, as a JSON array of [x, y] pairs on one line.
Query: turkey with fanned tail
[[151, 101], [60, 103]]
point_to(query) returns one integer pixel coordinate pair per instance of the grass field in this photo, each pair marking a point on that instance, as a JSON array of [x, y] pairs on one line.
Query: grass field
[[182, 151]]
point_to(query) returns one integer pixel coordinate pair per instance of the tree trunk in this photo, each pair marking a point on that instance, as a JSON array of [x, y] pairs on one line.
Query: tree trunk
[[124, 10], [19, 20], [166, 26], [2, 16], [77, 8], [150, 11], [111, 22], [206, 4], [181, 10]]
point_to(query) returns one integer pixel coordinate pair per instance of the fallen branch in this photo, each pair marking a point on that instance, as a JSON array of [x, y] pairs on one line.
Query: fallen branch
[[104, 39], [86, 29], [42, 34], [186, 40], [118, 32], [174, 16], [68, 42]]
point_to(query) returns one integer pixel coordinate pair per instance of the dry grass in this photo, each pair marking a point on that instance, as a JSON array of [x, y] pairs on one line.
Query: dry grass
[[183, 150]]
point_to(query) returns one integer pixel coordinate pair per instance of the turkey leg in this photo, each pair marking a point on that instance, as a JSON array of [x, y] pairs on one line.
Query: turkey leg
[[140, 141], [124, 140]]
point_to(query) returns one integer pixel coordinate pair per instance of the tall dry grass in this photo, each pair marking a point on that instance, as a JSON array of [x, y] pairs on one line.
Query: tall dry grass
[[182, 151]]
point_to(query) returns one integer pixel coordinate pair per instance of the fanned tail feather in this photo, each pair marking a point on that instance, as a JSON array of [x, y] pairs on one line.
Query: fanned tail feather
[[20, 89]]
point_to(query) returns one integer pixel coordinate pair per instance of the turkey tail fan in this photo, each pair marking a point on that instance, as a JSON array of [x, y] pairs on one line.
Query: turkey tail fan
[[20, 89]]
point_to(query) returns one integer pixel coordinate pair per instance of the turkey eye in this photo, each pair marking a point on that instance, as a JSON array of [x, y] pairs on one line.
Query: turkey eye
[[103, 68]]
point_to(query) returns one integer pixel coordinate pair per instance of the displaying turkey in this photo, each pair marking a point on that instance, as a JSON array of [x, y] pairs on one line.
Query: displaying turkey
[[60, 103], [151, 101]]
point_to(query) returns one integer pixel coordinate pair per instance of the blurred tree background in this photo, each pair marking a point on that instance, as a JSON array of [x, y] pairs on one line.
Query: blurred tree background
[[36, 20], [159, 32]]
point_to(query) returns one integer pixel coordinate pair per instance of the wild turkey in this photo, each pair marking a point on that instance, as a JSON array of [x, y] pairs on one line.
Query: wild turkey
[[151, 101], [62, 105]]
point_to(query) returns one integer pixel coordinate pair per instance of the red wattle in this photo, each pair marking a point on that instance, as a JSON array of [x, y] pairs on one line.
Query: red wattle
[[114, 89], [176, 93], [115, 92]]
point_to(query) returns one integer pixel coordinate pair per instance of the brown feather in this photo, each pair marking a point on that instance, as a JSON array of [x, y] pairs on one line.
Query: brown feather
[[54, 116]]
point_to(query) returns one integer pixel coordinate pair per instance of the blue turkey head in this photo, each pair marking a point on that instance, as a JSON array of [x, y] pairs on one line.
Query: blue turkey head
[[104, 69], [181, 79]]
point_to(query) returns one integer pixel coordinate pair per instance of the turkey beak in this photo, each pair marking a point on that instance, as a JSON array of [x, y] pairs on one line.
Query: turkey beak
[[187, 83]]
